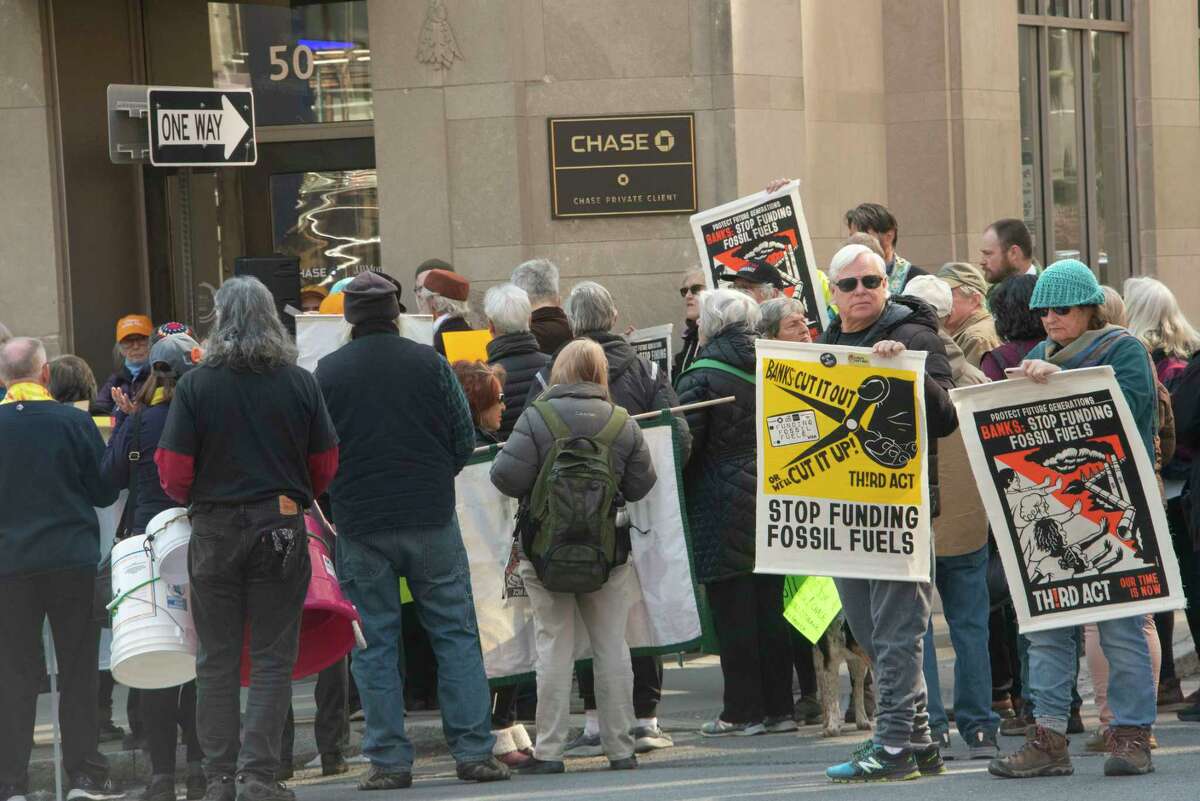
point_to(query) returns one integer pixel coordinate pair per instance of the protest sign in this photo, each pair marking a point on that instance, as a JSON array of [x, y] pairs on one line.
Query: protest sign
[[810, 603], [470, 346], [655, 344], [1072, 499], [318, 335], [763, 227], [842, 489], [665, 616]]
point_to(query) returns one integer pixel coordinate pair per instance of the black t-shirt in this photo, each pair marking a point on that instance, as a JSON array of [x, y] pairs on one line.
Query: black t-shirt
[[250, 434]]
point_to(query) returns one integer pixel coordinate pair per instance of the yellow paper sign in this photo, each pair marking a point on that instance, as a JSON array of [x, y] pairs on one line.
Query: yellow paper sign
[[468, 346], [405, 592], [813, 605]]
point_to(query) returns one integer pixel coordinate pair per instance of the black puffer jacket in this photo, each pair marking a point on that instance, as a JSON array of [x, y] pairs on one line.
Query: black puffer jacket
[[1185, 400], [636, 384], [719, 480], [914, 324], [518, 354]]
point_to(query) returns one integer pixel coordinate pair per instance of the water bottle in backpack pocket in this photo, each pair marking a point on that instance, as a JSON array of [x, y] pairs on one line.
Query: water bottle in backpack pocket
[[571, 535]]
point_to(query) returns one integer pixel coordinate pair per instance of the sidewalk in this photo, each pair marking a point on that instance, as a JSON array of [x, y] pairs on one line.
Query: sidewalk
[[691, 696]]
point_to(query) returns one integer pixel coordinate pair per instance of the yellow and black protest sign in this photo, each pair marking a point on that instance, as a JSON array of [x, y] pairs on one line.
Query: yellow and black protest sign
[[841, 463]]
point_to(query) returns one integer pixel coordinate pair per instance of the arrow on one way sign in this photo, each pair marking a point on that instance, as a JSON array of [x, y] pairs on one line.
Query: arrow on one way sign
[[191, 127]]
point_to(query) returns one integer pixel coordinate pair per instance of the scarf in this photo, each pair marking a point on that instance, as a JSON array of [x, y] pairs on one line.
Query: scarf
[[897, 272], [26, 391], [135, 368], [1081, 352], [158, 397]]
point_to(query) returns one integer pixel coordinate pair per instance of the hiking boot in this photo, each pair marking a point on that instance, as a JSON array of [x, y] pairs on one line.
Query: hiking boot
[[1130, 754], [1017, 726], [780, 724], [220, 788], [929, 760], [1044, 754], [1169, 692], [251, 789], [721, 728], [1075, 722], [983, 745], [585, 745], [807, 711], [541, 767], [160, 788], [650, 738], [483, 770], [876, 765], [378, 778], [628, 763], [942, 740], [1003, 707], [1099, 742]]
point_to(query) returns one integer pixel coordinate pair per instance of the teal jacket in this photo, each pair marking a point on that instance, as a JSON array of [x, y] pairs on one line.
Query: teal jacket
[[1135, 376]]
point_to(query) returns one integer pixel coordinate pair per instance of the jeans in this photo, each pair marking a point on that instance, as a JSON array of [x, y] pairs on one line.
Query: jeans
[[889, 619], [164, 713], [1076, 635], [1054, 660], [962, 583], [65, 596], [332, 726], [240, 579], [605, 614], [647, 685], [747, 613], [434, 562]]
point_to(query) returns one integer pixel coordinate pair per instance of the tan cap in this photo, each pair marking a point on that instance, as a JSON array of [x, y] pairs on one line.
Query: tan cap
[[958, 273]]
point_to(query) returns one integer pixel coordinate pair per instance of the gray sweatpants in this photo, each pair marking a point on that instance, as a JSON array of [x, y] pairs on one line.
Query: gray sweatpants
[[889, 618]]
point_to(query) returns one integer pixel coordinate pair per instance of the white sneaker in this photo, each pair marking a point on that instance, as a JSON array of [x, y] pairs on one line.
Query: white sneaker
[[650, 738], [720, 728]]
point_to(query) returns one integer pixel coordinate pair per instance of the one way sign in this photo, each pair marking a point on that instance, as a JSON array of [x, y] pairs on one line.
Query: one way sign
[[201, 127]]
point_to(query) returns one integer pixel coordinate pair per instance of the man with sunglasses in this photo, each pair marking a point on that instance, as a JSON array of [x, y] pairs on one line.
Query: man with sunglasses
[[693, 284], [889, 618]]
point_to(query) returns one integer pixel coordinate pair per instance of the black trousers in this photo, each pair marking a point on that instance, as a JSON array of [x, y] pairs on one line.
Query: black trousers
[[1002, 649], [647, 685], [239, 578], [504, 707], [747, 612], [65, 596], [332, 724], [1181, 539], [164, 713], [133, 706], [802, 660]]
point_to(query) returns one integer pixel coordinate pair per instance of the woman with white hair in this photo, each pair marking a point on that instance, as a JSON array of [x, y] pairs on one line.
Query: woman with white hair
[[784, 318], [721, 488], [1153, 316], [889, 618]]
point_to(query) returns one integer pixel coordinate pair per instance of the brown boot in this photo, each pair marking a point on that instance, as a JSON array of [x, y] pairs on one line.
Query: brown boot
[[1130, 752], [1044, 754], [1017, 726]]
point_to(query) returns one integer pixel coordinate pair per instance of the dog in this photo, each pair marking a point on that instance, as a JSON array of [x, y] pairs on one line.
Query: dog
[[838, 645]]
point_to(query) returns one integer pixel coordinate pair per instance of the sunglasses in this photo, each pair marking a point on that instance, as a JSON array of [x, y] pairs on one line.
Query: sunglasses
[[694, 289], [851, 284], [1061, 311]]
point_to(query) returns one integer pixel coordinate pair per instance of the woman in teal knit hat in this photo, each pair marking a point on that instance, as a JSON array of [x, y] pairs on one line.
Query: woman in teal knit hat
[[1067, 297]]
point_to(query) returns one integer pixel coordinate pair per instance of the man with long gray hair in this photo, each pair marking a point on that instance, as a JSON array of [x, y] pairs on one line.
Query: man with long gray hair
[[249, 444], [539, 279]]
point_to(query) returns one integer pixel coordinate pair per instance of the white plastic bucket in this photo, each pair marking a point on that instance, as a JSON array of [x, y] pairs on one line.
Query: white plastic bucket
[[154, 640], [170, 532]]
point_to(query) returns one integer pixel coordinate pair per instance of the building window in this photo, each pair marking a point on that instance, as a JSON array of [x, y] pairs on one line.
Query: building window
[[307, 62], [1075, 132]]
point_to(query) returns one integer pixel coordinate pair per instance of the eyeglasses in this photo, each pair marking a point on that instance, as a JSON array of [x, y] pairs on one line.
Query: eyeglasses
[[1061, 311], [500, 398], [851, 284], [694, 289]]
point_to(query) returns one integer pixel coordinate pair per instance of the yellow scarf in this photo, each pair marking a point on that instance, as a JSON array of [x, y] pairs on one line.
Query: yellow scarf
[[158, 397], [26, 391]]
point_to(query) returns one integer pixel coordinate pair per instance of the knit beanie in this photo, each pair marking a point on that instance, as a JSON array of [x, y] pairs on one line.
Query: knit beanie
[[1066, 283], [370, 296]]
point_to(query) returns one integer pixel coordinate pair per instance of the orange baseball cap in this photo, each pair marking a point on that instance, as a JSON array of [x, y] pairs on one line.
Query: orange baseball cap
[[334, 304], [134, 325]]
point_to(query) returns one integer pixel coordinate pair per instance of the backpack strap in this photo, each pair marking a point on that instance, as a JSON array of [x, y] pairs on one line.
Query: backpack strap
[[713, 364], [552, 419], [612, 429]]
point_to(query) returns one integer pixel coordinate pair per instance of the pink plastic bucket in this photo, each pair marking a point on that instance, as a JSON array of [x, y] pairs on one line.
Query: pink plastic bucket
[[327, 628]]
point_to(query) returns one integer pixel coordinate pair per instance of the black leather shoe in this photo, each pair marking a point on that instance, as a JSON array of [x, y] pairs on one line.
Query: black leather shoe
[[539, 767], [628, 763]]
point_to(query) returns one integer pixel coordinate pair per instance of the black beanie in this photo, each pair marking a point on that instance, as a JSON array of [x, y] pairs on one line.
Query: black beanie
[[370, 296]]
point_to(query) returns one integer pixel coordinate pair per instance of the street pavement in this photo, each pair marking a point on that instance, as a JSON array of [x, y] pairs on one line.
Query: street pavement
[[767, 766]]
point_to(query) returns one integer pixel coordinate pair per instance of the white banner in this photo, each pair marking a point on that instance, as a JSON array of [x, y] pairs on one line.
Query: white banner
[[318, 335], [664, 617], [842, 485], [1072, 499]]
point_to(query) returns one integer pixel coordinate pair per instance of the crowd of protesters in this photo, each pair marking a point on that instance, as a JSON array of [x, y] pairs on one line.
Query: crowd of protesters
[[234, 430]]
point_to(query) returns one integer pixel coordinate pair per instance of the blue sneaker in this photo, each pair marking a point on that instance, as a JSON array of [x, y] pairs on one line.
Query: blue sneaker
[[875, 764]]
